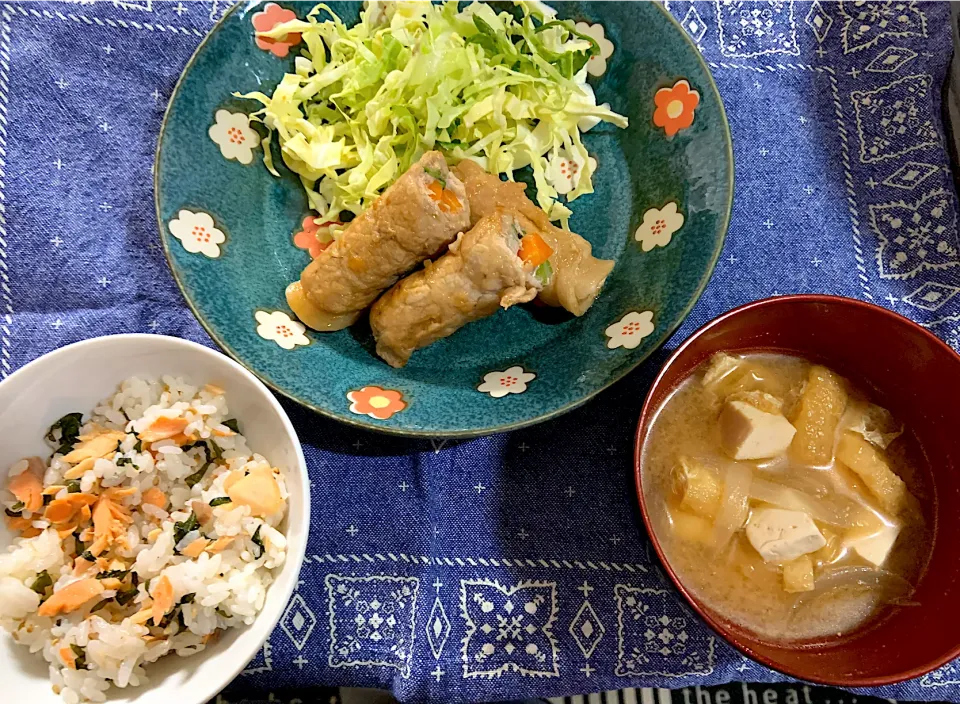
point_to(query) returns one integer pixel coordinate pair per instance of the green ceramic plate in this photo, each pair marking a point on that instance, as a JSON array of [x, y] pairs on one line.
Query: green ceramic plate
[[661, 208]]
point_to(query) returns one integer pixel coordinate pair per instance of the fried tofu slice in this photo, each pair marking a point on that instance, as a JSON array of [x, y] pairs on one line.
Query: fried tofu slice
[[821, 407], [867, 462]]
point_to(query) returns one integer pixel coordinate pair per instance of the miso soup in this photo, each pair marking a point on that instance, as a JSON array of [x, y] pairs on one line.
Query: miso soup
[[784, 499]]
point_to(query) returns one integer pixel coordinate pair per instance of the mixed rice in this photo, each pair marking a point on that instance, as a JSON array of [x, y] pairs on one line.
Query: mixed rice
[[151, 528]]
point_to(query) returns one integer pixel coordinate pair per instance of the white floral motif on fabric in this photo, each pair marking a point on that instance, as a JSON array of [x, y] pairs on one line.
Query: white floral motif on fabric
[[891, 60], [298, 621], [509, 629], [372, 621], [651, 641], [894, 119], [910, 175], [819, 21], [946, 676], [931, 296], [438, 628], [915, 237], [694, 24], [867, 21], [587, 629], [749, 29], [262, 661]]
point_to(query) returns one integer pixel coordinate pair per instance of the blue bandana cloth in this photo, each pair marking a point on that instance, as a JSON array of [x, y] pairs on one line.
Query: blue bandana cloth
[[515, 565]]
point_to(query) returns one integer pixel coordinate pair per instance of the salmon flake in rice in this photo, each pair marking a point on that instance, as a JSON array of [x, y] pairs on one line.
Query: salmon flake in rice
[[121, 558]]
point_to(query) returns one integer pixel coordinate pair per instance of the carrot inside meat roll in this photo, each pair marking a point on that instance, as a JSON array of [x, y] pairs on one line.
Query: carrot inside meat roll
[[575, 276], [485, 269], [414, 219]]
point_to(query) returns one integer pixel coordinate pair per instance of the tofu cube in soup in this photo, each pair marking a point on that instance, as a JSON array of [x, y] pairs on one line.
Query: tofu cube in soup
[[747, 433], [868, 463], [821, 407], [780, 535], [874, 548], [798, 575]]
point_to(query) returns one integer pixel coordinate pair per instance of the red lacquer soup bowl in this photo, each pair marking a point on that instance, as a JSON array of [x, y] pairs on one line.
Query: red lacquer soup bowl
[[917, 377]]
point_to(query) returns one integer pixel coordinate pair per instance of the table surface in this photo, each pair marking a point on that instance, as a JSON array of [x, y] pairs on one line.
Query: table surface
[[843, 186]]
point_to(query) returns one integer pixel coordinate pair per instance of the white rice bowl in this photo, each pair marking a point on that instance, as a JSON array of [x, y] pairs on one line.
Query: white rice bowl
[[231, 587]]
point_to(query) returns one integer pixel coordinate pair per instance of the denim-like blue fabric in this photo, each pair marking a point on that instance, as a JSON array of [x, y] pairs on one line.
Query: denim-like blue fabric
[[514, 565]]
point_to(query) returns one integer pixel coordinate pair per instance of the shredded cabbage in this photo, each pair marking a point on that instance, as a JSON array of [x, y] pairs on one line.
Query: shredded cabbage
[[365, 102]]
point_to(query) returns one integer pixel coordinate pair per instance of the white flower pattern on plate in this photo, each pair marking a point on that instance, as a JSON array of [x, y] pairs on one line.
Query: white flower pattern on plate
[[597, 65], [197, 233], [658, 226], [280, 328], [510, 381], [563, 173], [630, 330], [233, 134]]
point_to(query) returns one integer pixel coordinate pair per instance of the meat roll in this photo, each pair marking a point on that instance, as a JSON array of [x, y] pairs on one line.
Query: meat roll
[[415, 218], [482, 272], [577, 275]]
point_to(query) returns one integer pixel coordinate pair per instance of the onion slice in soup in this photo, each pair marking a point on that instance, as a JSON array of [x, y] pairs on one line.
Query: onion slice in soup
[[820, 509], [734, 505], [891, 588]]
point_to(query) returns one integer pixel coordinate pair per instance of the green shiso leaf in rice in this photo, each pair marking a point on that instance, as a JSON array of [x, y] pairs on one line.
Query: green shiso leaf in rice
[[126, 596], [220, 501], [168, 618], [88, 556], [113, 574], [258, 541], [69, 427], [123, 461], [232, 424], [213, 454], [100, 604], [138, 446], [181, 528], [73, 486], [197, 477], [81, 656], [42, 583], [17, 506], [188, 598]]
